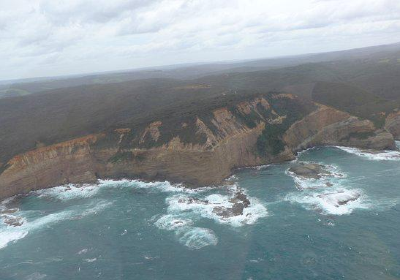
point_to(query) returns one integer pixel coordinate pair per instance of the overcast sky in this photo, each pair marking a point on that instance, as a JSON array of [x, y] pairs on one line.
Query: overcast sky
[[51, 37]]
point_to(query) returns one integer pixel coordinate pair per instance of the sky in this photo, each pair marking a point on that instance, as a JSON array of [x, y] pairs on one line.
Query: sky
[[54, 38]]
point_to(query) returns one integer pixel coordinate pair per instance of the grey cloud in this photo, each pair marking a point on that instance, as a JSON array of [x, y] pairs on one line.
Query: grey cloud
[[63, 35], [91, 11]]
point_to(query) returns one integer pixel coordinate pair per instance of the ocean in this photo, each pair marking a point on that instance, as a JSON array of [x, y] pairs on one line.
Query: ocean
[[344, 225]]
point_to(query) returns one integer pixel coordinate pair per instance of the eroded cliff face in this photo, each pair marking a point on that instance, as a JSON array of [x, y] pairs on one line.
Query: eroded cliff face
[[199, 150], [67, 162], [392, 124], [328, 126]]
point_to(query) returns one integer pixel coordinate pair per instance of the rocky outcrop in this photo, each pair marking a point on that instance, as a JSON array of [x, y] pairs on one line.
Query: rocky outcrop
[[309, 170], [67, 162], [328, 126], [199, 150], [392, 124], [12, 220], [340, 198], [239, 202]]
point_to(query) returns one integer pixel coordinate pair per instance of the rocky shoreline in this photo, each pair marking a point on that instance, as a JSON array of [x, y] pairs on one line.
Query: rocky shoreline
[[230, 139], [321, 186], [239, 201]]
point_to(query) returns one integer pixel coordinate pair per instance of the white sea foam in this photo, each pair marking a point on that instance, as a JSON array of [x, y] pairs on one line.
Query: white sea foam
[[326, 180], [155, 186], [187, 234], [262, 167], [372, 155], [327, 194], [94, 208], [10, 234], [172, 222], [176, 219], [303, 152], [258, 167], [232, 178], [68, 192], [7, 236], [184, 209], [197, 238], [83, 251], [205, 206], [6, 201], [337, 202], [9, 219]]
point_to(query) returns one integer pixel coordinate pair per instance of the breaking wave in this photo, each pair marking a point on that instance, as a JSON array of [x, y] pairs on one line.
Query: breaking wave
[[197, 238], [151, 186], [68, 192], [336, 202], [183, 210], [326, 180], [71, 191], [172, 222], [184, 207], [206, 208], [11, 234], [372, 155], [326, 194], [187, 234]]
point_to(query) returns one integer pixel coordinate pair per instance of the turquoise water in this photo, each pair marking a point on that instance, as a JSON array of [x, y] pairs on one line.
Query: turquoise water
[[294, 228]]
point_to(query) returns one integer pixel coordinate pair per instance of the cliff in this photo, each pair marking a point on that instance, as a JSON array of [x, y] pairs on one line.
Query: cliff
[[392, 124], [198, 149], [328, 126]]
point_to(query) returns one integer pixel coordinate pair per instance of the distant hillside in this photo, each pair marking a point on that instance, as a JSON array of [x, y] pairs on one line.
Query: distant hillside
[[353, 100], [374, 68]]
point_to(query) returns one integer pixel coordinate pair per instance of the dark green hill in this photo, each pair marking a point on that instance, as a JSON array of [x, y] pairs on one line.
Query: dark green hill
[[351, 99], [372, 68]]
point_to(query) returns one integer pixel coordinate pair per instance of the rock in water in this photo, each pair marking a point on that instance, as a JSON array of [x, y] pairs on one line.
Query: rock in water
[[240, 197], [9, 210], [239, 201], [310, 170], [12, 220], [340, 198]]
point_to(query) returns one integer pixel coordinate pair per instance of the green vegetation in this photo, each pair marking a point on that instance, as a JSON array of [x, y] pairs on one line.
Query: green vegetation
[[250, 120], [270, 141], [3, 167], [354, 100]]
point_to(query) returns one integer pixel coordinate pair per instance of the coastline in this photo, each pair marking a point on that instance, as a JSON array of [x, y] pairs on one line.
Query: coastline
[[199, 151], [371, 154]]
